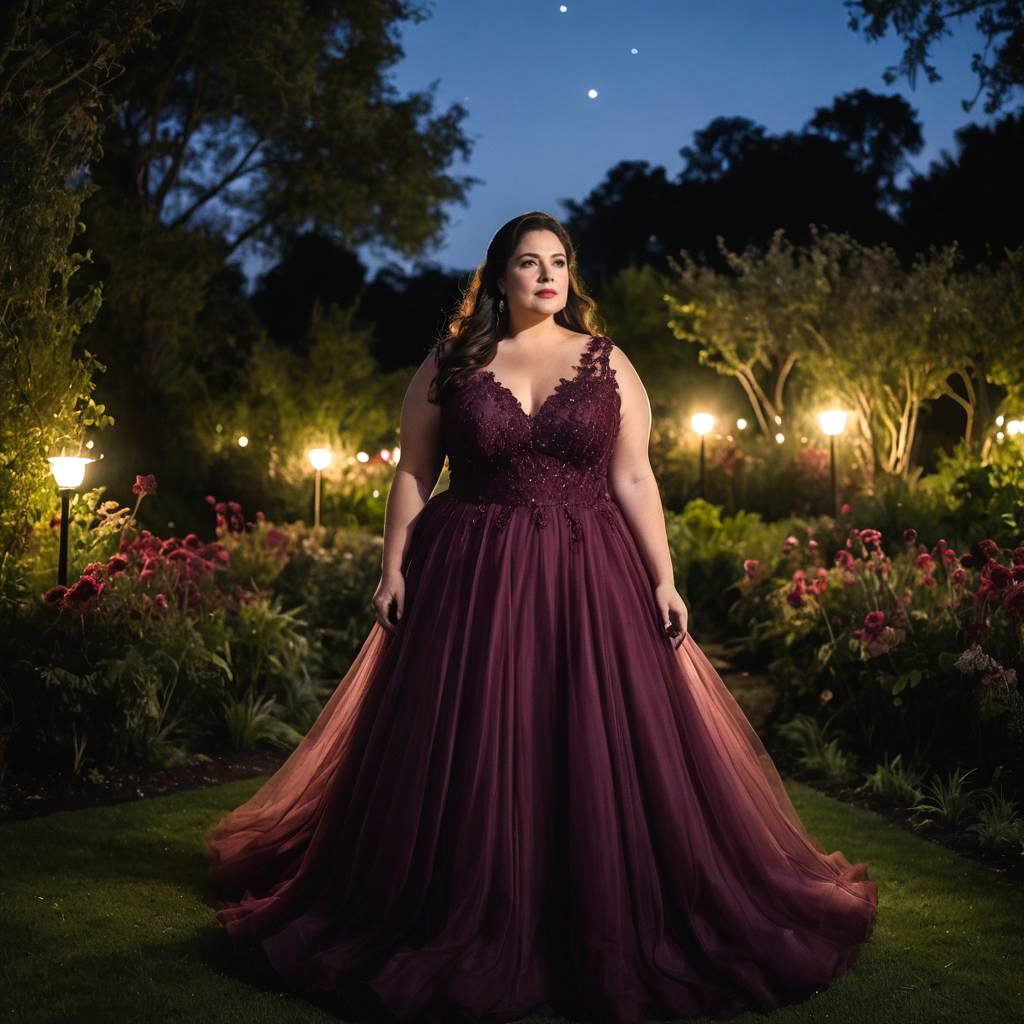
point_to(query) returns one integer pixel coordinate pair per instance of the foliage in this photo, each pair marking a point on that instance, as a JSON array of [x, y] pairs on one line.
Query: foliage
[[161, 645]]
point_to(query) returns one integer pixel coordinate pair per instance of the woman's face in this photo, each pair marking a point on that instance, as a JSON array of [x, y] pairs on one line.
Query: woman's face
[[539, 265]]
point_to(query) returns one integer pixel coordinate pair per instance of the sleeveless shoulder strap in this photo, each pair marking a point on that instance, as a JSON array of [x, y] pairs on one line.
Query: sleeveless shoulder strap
[[594, 363]]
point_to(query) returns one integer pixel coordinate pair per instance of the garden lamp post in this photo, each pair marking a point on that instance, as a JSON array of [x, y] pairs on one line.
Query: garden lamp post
[[833, 422], [702, 422], [69, 472], [320, 458]]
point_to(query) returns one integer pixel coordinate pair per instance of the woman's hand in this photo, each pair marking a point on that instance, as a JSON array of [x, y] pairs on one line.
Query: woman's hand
[[674, 616], [390, 590]]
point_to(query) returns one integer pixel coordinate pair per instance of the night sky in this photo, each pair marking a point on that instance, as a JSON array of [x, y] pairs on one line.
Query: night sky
[[523, 70]]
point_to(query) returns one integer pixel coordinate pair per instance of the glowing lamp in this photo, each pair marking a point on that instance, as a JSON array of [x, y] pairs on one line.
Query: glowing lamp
[[832, 422], [320, 458], [68, 471], [702, 422]]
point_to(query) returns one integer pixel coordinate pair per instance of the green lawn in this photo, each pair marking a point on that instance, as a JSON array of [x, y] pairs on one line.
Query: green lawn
[[106, 916]]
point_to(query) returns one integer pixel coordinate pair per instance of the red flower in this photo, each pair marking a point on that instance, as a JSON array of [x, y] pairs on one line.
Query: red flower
[[924, 562], [750, 567], [211, 500], [275, 537], [160, 602], [910, 536], [795, 597], [1018, 556], [144, 484], [83, 591], [959, 577], [116, 564], [94, 569], [55, 594], [1013, 602], [1000, 576]]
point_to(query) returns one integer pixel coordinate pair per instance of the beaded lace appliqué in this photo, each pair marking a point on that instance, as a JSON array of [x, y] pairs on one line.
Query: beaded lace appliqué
[[553, 461]]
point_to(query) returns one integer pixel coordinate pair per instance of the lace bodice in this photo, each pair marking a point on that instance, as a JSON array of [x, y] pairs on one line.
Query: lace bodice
[[558, 456]]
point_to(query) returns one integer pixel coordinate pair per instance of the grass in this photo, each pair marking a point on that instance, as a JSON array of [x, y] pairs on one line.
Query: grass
[[107, 916]]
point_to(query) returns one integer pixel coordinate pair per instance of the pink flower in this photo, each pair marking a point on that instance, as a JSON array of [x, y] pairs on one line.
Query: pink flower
[[211, 500], [812, 543], [871, 538], [989, 547], [144, 484], [192, 542], [844, 509], [94, 569], [924, 562], [795, 597], [55, 594], [910, 536], [799, 575], [1018, 556], [750, 567], [275, 537], [160, 602], [234, 506], [220, 507], [844, 559], [959, 577]]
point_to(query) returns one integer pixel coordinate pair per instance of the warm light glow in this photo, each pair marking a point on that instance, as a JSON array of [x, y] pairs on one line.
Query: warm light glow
[[702, 422], [385, 454], [89, 444], [741, 424], [833, 421], [320, 458], [376, 493], [592, 93], [67, 471], [778, 419], [1015, 427], [780, 437], [999, 421], [243, 441], [999, 435], [362, 457], [396, 453]]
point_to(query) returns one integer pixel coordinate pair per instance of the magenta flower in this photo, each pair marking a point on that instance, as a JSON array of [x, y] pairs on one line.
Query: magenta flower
[[924, 562], [795, 597], [874, 622], [55, 594], [750, 567], [144, 484], [211, 500], [160, 602], [94, 569], [910, 536]]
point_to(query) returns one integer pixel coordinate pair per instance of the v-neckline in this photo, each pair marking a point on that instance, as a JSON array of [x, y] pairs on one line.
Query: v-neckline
[[577, 369]]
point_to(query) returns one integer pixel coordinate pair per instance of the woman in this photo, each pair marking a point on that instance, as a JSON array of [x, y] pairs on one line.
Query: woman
[[531, 790]]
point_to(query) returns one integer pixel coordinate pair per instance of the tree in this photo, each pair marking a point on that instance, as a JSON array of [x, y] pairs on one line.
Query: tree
[[921, 23], [246, 123], [57, 65]]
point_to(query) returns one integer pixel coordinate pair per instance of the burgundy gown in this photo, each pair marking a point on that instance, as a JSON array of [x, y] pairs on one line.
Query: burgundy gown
[[529, 797]]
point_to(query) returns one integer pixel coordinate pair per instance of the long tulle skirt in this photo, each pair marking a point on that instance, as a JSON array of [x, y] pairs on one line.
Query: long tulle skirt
[[530, 796]]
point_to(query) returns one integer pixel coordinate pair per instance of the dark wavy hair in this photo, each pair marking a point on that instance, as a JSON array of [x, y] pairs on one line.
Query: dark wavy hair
[[472, 333]]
